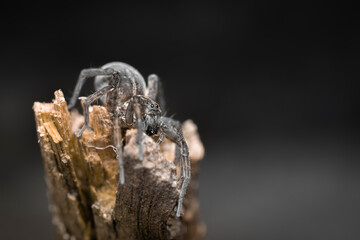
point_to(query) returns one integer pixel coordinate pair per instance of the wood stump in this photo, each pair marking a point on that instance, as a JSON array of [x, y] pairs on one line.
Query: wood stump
[[86, 201]]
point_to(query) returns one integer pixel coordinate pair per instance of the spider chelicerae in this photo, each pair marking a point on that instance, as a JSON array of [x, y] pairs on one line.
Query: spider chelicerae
[[131, 104]]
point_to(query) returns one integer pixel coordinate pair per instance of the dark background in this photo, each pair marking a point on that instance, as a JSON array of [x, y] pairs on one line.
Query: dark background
[[274, 89]]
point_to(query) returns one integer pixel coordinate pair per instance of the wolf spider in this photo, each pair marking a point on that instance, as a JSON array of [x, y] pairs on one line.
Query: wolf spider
[[131, 104]]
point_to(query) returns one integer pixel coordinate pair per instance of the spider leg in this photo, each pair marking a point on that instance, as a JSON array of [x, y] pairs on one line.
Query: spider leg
[[85, 74], [172, 130], [118, 146], [177, 125], [161, 138], [155, 90], [134, 107], [87, 103], [153, 86], [140, 127]]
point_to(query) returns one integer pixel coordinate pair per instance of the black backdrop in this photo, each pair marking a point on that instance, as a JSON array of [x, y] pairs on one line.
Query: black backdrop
[[274, 89]]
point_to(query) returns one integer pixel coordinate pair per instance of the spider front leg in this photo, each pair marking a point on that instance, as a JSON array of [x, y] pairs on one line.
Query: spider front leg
[[87, 103], [173, 131], [134, 107], [177, 126], [155, 90], [85, 74]]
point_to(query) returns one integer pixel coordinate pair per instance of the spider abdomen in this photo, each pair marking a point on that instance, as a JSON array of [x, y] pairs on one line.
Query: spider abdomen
[[128, 83]]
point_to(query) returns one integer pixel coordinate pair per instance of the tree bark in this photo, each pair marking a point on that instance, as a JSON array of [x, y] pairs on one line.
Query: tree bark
[[81, 175]]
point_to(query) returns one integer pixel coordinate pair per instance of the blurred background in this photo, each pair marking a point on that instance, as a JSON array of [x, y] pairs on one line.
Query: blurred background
[[273, 88]]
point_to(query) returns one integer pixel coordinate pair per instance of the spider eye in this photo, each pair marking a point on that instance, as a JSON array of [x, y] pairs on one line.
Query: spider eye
[[152, 105], [156, 105]]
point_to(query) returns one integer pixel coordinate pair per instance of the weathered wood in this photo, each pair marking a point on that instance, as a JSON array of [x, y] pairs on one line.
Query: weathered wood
[[86, 200]]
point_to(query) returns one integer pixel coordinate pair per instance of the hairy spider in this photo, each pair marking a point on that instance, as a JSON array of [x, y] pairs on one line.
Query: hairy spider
[[131, 105]]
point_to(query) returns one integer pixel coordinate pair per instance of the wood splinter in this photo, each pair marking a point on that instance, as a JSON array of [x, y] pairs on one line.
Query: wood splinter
[[82, 175]]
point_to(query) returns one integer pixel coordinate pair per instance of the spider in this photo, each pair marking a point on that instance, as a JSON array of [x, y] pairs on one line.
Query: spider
[[131, 104]]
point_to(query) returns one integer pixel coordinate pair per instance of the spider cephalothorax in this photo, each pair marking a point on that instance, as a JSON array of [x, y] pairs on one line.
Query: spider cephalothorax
[[131, 104], [151, 117]]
